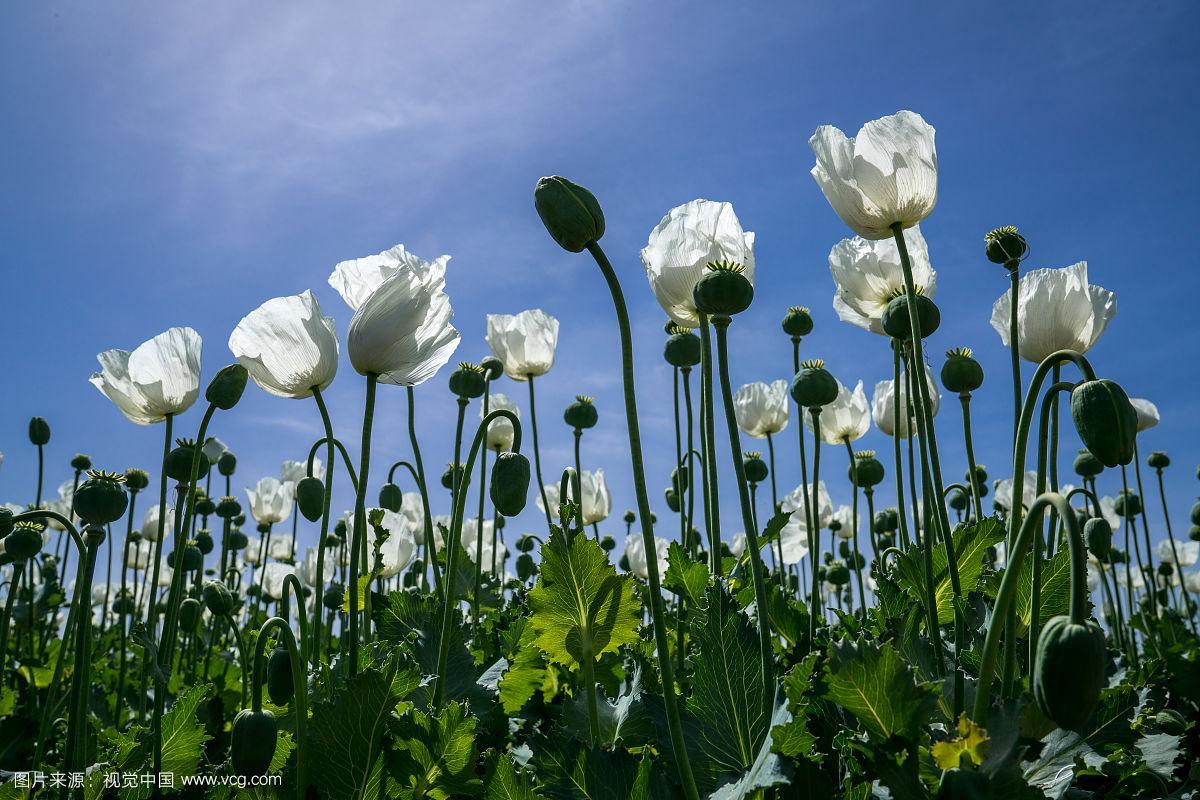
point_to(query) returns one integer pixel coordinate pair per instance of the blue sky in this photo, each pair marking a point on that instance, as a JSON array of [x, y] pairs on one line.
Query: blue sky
[[180, 164]]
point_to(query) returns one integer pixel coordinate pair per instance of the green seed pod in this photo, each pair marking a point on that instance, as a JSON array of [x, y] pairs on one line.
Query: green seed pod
[[797, 322], [623, 563], [1158, 460], [81, 463], [868, 471], [1171, 722], [672, 499], [205, 506], [227, 464], [607, 543], [510, 483], [450, 474], [280, 686], [961, 372], [136, 479], [879, 523], [813, 386], [582, 413], [1069, 674], [526, 567], [24, 542], [1127, 504], [526, 544], [723, 290], [101, 499], [1087, 465], [1166, 569], [204, 541], [1005, 246], [179, 461], [123, 604], [630, 518], [332, 598], [252, 742], [1105, 420], [682, 350], [681, 478], [1097, 533], [310, 497], [837, 574], [492, 368], [897, 325], [1196, 513], [189, 614], [192, 558], [237, 540], [217, 598], [39, 431], [756, 468], [571, 213], [390, 497], [468, 381], [958, 500], [225, 389], [500, 522]]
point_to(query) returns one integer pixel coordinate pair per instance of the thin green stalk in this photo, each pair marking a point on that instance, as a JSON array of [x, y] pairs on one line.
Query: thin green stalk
[[1014, 349], [1187, 601], [691, 447], [325, 504], [358, 536], [666, 669], [814, 534], [537, 455], [708, 447], [903, 518], [430, 545], [487, 395], [1137, 473], [862, 595], [721, 325], [965, 398], [299, 699]]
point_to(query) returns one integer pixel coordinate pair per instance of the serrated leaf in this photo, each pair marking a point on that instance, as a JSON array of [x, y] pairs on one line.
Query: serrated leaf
[[970, 544], [435, 754], [767, 770], [580, 604], [524, 676], [1055, 594], [685, 577], [878, 688], [1063, 751], [972, 741], [344, 735], [624, 721], [506, 782], [570, 771], [183, 737], [727, 701]]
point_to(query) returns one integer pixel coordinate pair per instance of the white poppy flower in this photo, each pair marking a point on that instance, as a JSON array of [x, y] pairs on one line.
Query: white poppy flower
[[295, 471], [270, 501], [635, 554], [160, 377], [761, 408], [524, 343], [1191, 581], [306, 570], [1147, 413], [737, 545], [597, 502], [280, 548], [846, 419], [213, 448], [683, 244], [793, 539], [1004, 491], [844, 517], [883, 400], [868, 276], [1188, 552], [413, 511], [398, 549], [1059, 310], [357, 278], [440, 521], [470, 538], [884, 175], [150, 522], [165, 575], [1093, 578], [500, 431], [273, 577], [141, 555], [1134, 578], [793, 502], [401, 333], [251, 550], [287, 346]]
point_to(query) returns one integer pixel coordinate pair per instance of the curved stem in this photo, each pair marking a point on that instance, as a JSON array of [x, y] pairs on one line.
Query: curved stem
[[965, 398], [1035, 583], [422, 486], [300, 699], [537, 454], [666, 669], [721, 325], [326, 500]]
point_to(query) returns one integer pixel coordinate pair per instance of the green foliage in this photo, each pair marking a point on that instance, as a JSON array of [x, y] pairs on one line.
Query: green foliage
[[878, 688], [434, 754]]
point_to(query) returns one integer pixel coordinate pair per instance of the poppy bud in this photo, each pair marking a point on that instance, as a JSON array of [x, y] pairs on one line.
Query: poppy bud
[[225, 389], [723, 290], [607, 543], [958, 499], [252, 742], [1194, 533], [526, 567], [468, 381], [837, 574], [756, 468], [136, 479], [1105, 420], [797, 322], [280, 685], [682, 349], [189, 614], [1127, 504], [227, 464], [1158, 460], [492, 368], [218, 598], [39, 431], [1196, 513], [630, 518], [204, 541], [191, 558], [1097, 533], [101, 499], [897, 325], [681, 479], [1087, 465], [1005, 246], [672, 499], [582, 413], [332, 598], [570, 213], [81, 463], [813, 386], [961, 372], [237, 540], [452, 472], [510, 483], [525, 544], [390, 497]]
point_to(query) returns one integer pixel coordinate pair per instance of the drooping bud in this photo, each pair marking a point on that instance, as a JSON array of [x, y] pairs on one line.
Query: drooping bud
[[571, 213], [226, 388]]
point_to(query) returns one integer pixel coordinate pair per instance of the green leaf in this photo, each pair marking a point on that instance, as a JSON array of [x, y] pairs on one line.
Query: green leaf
[[505, 781], [727, 692], [685, 577], [1055, 597], [344, 735], [792, 738], [624, 721], [1065, 751], [524, 676], [970, 545], [570, 771], [435, 754], [183, 737], [767, 770], [878, 688], [580, 604]]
